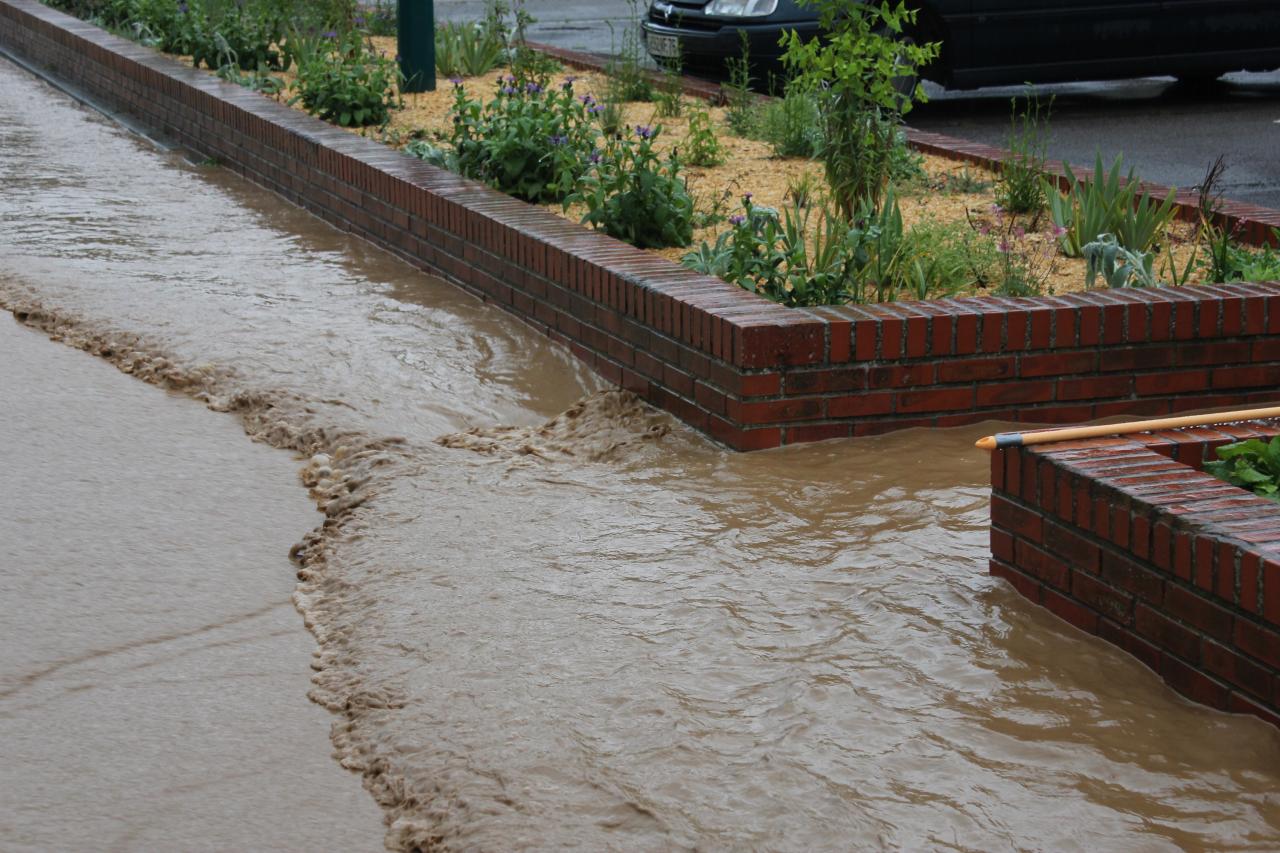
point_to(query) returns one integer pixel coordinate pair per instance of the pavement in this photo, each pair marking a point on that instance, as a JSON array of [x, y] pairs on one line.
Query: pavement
[[1170, 133]]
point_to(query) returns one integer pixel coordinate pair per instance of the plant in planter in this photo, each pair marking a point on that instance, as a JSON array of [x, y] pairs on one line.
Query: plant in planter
[[531, 140], [855, 72], [342, 79], [634, 195], [1252, 465], [1109, 204]]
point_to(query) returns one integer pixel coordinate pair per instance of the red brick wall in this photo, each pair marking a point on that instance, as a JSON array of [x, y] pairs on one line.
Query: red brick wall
[[748, 372], [1128, 539]]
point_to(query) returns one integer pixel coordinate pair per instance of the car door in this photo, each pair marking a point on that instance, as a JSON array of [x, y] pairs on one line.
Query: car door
[[1046, 40], [1221, 35]]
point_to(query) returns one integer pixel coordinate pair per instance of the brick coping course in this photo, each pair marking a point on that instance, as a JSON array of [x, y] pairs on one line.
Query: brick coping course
[[748, 372], [1128, 539]]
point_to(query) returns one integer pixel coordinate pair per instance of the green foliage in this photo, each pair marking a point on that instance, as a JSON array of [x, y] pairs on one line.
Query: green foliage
[[774, 257], [740, 101], [1252, 465], [436, 155], [965, 182], [856, 68], [381, 18], [1109, 204], [868, 259], [1118, 266], [629, 79], [1227, 260], [670, 93], [790, 124], [468, 49], [531, 140], [635, 196], [1021, 188], [803, 190], [251, 32], [342, 79], [702, 146], [259, 80]]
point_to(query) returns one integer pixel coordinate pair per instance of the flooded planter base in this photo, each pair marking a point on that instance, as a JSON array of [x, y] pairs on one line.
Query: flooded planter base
[[1128, 539], [746, 371]]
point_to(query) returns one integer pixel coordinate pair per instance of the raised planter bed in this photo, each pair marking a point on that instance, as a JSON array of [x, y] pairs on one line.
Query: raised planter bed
[[1127, 538], [750, 373]]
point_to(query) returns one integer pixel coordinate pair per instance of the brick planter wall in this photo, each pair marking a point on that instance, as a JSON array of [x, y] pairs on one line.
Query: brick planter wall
[[748, 372], [1128, 539]]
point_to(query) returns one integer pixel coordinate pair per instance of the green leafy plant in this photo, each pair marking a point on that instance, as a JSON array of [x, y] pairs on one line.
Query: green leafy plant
[[741, 112], [530, 140], [940, 259], [1118, 266], [856, 68], [629, 79], [634, 195], [702, 146], [251, 32], [381, 18], [669, 96], [790, 124], [774, 256], [803, 189], [965, 182], [468, 49], [258, 80], [1021, 188], [1252, 465], [1109, 204], [345, 81]]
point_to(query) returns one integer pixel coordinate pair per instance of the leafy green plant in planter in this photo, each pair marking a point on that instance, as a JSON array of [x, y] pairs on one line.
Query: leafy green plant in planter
[[531, 140], [1252, 465], [251, 32], [1109, 204], [634, 195], [1118, 266], [790, 124], [702, 146], [342, 79], [856, 68], [773, 257], [1021, 187], [468, 49]]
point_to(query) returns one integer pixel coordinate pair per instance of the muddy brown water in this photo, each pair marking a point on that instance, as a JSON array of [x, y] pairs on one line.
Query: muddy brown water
[[549, 618]]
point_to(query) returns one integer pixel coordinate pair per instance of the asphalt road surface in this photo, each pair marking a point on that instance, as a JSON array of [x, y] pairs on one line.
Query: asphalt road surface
[[1168, 132]]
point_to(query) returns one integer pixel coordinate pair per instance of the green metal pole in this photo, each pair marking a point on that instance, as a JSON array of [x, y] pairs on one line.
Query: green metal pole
[[416, 41]]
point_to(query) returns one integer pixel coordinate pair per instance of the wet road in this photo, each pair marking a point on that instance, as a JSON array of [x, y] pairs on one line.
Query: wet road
[[549, 618]]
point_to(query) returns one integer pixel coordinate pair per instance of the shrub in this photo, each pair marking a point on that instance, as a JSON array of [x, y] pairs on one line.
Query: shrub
[[468, 49], [1021, 188], [343, 80], [1118, 266], [1108, 204], [790, 124], [856, 67], [633, 195], [531, 140], [702, 146]]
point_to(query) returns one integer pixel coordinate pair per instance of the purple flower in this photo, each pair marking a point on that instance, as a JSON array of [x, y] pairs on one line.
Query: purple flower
[[182, 7], [331, 34], [595, 109], [557, 140], [567, 85], [587, 100], [532, 88], [507, 90], [457, 81], [746, 196], [510, 79], [595, 156], [644, 132], [1019, 232], [1004, 248], [985, 229], [359, 20], [737, 219], [1058, 231]]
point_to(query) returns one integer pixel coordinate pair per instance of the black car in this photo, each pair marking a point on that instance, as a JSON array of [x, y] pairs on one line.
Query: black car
[[995, 42]]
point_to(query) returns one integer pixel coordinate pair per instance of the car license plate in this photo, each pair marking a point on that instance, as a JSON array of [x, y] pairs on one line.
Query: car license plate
[[668, 47]]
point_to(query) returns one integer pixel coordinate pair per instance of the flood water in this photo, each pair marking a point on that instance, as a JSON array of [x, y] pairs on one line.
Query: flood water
[[550, 618]]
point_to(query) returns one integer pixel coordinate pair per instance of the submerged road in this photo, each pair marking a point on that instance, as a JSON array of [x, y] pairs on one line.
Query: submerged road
[[544, 616]]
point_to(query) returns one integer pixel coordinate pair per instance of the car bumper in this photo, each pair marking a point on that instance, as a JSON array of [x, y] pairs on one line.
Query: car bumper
[[712, 46]]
